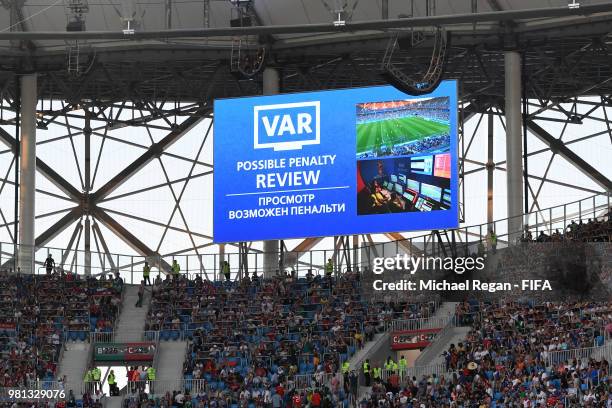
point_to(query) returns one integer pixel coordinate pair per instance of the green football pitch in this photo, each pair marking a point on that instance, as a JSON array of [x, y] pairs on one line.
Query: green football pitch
[[372, 135]]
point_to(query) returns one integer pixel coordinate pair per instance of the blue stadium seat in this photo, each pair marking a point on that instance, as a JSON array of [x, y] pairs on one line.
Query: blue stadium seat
[[164, 335]]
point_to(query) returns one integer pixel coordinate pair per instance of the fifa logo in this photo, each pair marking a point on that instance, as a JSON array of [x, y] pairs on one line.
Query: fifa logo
[[287, 126]]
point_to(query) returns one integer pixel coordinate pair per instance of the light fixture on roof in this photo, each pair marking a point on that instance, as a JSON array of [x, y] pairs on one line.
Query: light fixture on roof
[[131, 16], [128, 30], [75, 12], [341, 11], [241, 13], [573, 5]]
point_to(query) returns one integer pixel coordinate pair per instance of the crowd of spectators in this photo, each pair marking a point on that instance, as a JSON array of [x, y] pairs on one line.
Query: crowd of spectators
[[594, 230], [431, 109], [508, 360], [38, 313], [282, 395], [250, 337], [577, 383], [429, 144]]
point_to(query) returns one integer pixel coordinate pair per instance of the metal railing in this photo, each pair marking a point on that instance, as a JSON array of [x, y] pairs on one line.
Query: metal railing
[[562, 356], [135, 336], [305, 381], [416, 371], [464, 240], [417, 324], [160, 387]]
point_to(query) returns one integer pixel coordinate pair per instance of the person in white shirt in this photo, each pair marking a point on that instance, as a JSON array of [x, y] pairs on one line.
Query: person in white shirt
[[179, 398]]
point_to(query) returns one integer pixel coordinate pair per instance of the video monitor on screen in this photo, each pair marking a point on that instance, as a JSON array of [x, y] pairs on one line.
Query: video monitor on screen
[[446, 198], [399, 189], [402, 179], [419, 203], [427, 206], [413, 185], [386, 184], [422, 165], [393, 178], [442, 166], [433, 192], [409, 196]]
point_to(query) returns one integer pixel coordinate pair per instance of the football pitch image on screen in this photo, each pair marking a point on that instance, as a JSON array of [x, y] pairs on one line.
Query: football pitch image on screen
[[402, 184], [403, 127]]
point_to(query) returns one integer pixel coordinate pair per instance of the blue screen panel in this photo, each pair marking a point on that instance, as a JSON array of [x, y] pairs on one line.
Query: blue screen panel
[[291, 166]]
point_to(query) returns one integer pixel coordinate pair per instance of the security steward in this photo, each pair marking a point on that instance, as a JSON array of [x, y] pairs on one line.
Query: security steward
[[146, 273], [346, 368], [366, 372], [376, 373], [96, 374], [151, 377], [112, 383]]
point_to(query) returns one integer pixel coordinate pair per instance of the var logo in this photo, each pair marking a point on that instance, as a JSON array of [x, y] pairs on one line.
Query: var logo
[[287, 126]]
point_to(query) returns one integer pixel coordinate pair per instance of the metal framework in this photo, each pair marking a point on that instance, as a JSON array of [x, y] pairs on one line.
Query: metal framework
[[162, 91]]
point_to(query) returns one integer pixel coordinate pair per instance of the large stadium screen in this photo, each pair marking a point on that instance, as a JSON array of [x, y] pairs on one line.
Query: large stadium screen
[[305, 164], [433, 192], [422, 165], [413, 185], [442, 165]]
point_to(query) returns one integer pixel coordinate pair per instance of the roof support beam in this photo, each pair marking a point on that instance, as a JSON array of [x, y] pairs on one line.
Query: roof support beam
[[130, 239], [44, 169], [154, 151], [558, 147], [54, 230], [403, 242]]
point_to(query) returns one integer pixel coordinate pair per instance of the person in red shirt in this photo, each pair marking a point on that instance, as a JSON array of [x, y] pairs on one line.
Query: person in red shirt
[[280, 390], [130, 375], [315, 400], [296, 400]]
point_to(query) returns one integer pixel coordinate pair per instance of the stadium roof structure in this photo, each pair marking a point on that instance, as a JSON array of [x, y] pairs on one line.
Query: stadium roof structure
[[178, 42], [142, 90]]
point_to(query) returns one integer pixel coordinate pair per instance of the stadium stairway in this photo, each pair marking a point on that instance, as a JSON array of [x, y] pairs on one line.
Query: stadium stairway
[[131, 324], [74, 363], [378, 349], [169, 366], [433, 353], [453, 335]]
